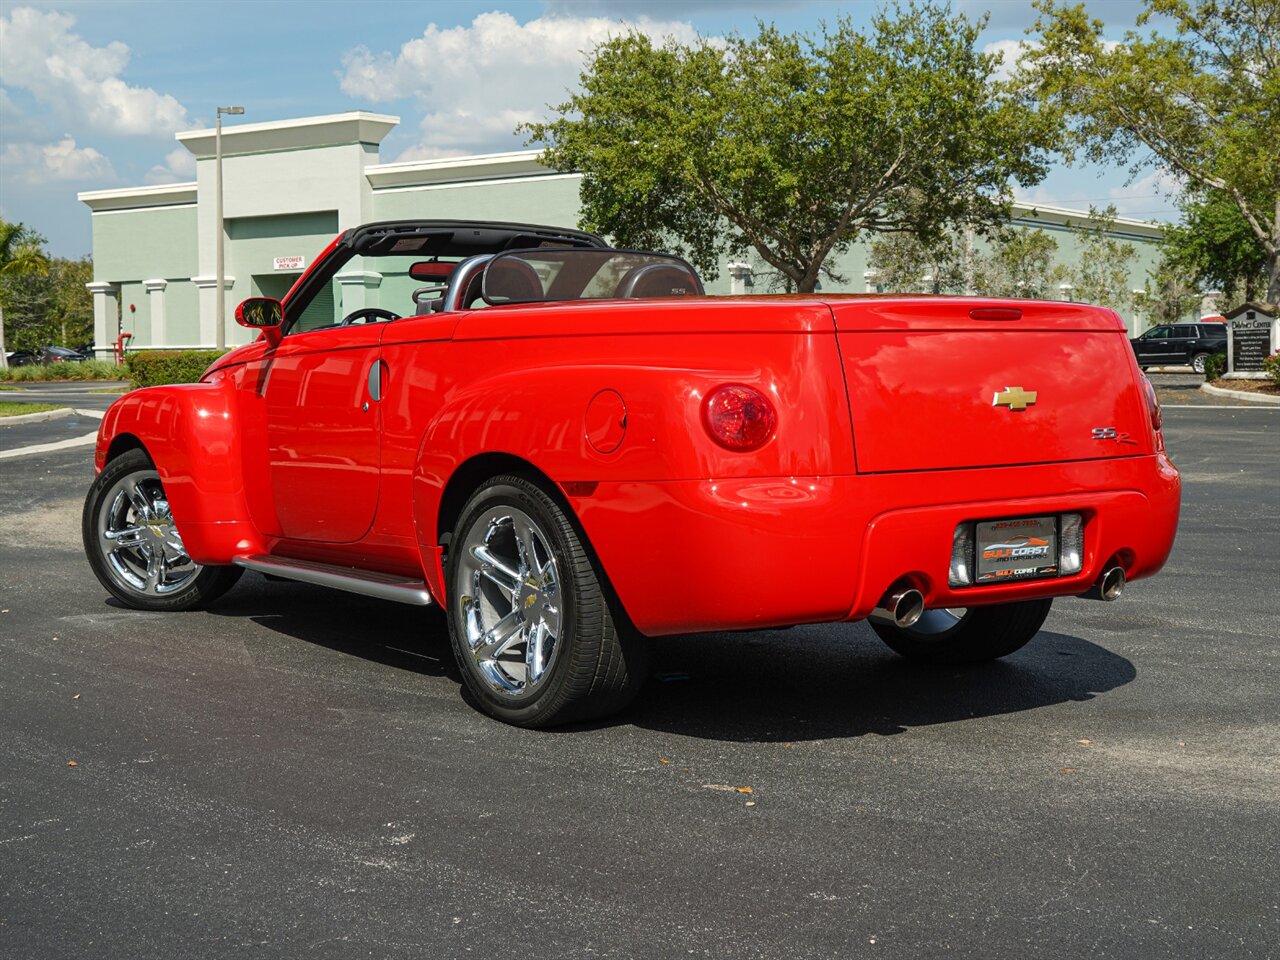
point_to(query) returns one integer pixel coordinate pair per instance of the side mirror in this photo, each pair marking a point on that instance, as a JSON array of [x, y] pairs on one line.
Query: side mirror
[[259, 312]]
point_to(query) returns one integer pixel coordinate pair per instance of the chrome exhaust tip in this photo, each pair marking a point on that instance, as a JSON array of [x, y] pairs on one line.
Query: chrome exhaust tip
[[1110, 585], [899, 608]]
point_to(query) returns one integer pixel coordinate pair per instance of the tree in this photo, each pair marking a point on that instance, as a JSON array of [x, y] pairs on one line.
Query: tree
[[1101, 274], [1202, 105], [1168, 297], [1021, 263], [71, 312], [1214, 247], [21, 255], [906, 264], [795, 146]]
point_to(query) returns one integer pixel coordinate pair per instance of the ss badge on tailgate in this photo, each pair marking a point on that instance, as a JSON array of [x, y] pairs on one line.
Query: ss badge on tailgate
[[1110, 433]]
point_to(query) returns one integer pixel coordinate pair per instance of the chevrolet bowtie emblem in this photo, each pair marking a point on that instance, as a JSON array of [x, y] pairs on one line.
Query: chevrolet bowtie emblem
[[1015, 398]]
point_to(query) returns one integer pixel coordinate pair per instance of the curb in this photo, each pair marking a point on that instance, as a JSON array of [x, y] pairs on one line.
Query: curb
[[51, 415], [1239, 395], [37, 417]]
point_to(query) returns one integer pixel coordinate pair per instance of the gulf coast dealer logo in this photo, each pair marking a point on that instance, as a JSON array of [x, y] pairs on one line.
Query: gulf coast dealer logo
[[1017, 548]]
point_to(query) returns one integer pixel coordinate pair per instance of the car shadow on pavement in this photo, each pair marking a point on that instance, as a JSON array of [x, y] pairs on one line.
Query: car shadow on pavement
[[391, 634], [806, 684]]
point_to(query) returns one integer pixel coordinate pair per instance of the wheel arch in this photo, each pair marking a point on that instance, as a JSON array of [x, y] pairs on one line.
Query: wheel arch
[[477, 470], [122, 443]]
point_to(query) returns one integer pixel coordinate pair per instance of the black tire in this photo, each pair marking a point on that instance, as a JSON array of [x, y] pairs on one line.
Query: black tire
[[979, 635], [597, 662], [1198, 362], [193, 585]]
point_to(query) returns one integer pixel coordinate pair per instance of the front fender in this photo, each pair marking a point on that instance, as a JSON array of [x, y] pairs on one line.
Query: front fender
[[191, 434]]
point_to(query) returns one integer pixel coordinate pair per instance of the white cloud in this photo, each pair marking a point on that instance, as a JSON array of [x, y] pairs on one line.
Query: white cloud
[[34, 163], [1011, 51], [79, 82], [422, 151], [478, 82], [179, 166]]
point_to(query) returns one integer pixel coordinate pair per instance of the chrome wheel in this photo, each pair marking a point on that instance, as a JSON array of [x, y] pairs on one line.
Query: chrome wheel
[[138, 540], [510, 601]]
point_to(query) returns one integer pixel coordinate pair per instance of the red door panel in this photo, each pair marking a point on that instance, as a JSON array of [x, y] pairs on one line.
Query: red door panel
[[322, 433]]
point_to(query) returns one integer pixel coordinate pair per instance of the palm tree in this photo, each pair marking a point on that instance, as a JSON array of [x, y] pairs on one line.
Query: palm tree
[[21, 253]]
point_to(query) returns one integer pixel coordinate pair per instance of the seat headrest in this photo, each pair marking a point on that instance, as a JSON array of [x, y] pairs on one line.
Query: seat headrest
[[658, 280], [512, 279]]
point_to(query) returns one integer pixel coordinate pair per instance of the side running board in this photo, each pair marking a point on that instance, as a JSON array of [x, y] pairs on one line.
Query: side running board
[[384, 586]]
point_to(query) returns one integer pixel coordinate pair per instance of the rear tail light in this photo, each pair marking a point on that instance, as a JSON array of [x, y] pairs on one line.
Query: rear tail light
[[739, 417], [1153, 404]]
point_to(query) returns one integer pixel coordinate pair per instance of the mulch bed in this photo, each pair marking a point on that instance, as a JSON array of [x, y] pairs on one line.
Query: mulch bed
[[1268, 387]]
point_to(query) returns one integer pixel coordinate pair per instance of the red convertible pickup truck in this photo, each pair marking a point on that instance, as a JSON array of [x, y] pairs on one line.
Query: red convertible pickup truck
[[571, 448]]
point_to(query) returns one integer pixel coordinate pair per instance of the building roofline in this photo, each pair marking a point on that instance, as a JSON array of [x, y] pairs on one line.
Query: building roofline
[[355, 126], [1049, 212], [480, 166], [123, 198]]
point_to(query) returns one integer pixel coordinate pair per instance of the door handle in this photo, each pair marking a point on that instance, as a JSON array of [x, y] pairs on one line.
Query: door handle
[[375, 382]]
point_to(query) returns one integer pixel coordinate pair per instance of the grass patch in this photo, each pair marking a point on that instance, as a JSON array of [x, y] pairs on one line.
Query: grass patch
[[84, 370], [12, 408], [8, 386]]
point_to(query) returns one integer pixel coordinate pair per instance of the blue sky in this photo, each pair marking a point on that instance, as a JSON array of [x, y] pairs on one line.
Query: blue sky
[[91, 93]]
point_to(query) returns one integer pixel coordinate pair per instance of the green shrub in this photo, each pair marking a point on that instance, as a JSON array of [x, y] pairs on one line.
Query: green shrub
[[151, 368], [1214, 367], [1272, 366], [84, 370]]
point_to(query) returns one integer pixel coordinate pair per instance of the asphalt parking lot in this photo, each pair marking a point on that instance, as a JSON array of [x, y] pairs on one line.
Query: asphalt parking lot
[[295, 772]]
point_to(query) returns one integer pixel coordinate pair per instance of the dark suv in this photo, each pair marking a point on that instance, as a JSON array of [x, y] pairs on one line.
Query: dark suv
[[1177, 343]]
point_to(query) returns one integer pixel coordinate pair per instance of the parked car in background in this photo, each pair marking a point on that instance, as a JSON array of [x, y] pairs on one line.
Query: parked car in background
[[570, 448], [46, 355], [1175, 344], [53, 354]]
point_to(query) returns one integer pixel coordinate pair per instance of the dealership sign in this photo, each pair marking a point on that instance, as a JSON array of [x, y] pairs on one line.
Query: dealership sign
[[1253, 333], [288, 263]]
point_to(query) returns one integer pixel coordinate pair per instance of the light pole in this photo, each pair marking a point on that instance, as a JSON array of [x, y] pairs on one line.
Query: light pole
[[220, 299]]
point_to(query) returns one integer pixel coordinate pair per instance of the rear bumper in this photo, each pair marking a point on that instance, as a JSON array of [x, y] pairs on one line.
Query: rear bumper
[[703, 555]]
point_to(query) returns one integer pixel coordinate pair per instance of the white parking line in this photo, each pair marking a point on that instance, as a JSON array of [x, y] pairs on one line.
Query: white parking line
[[1166, 407], [84, 441]]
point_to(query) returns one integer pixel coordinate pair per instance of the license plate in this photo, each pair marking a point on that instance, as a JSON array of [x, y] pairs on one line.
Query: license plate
[[1016, 549]]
